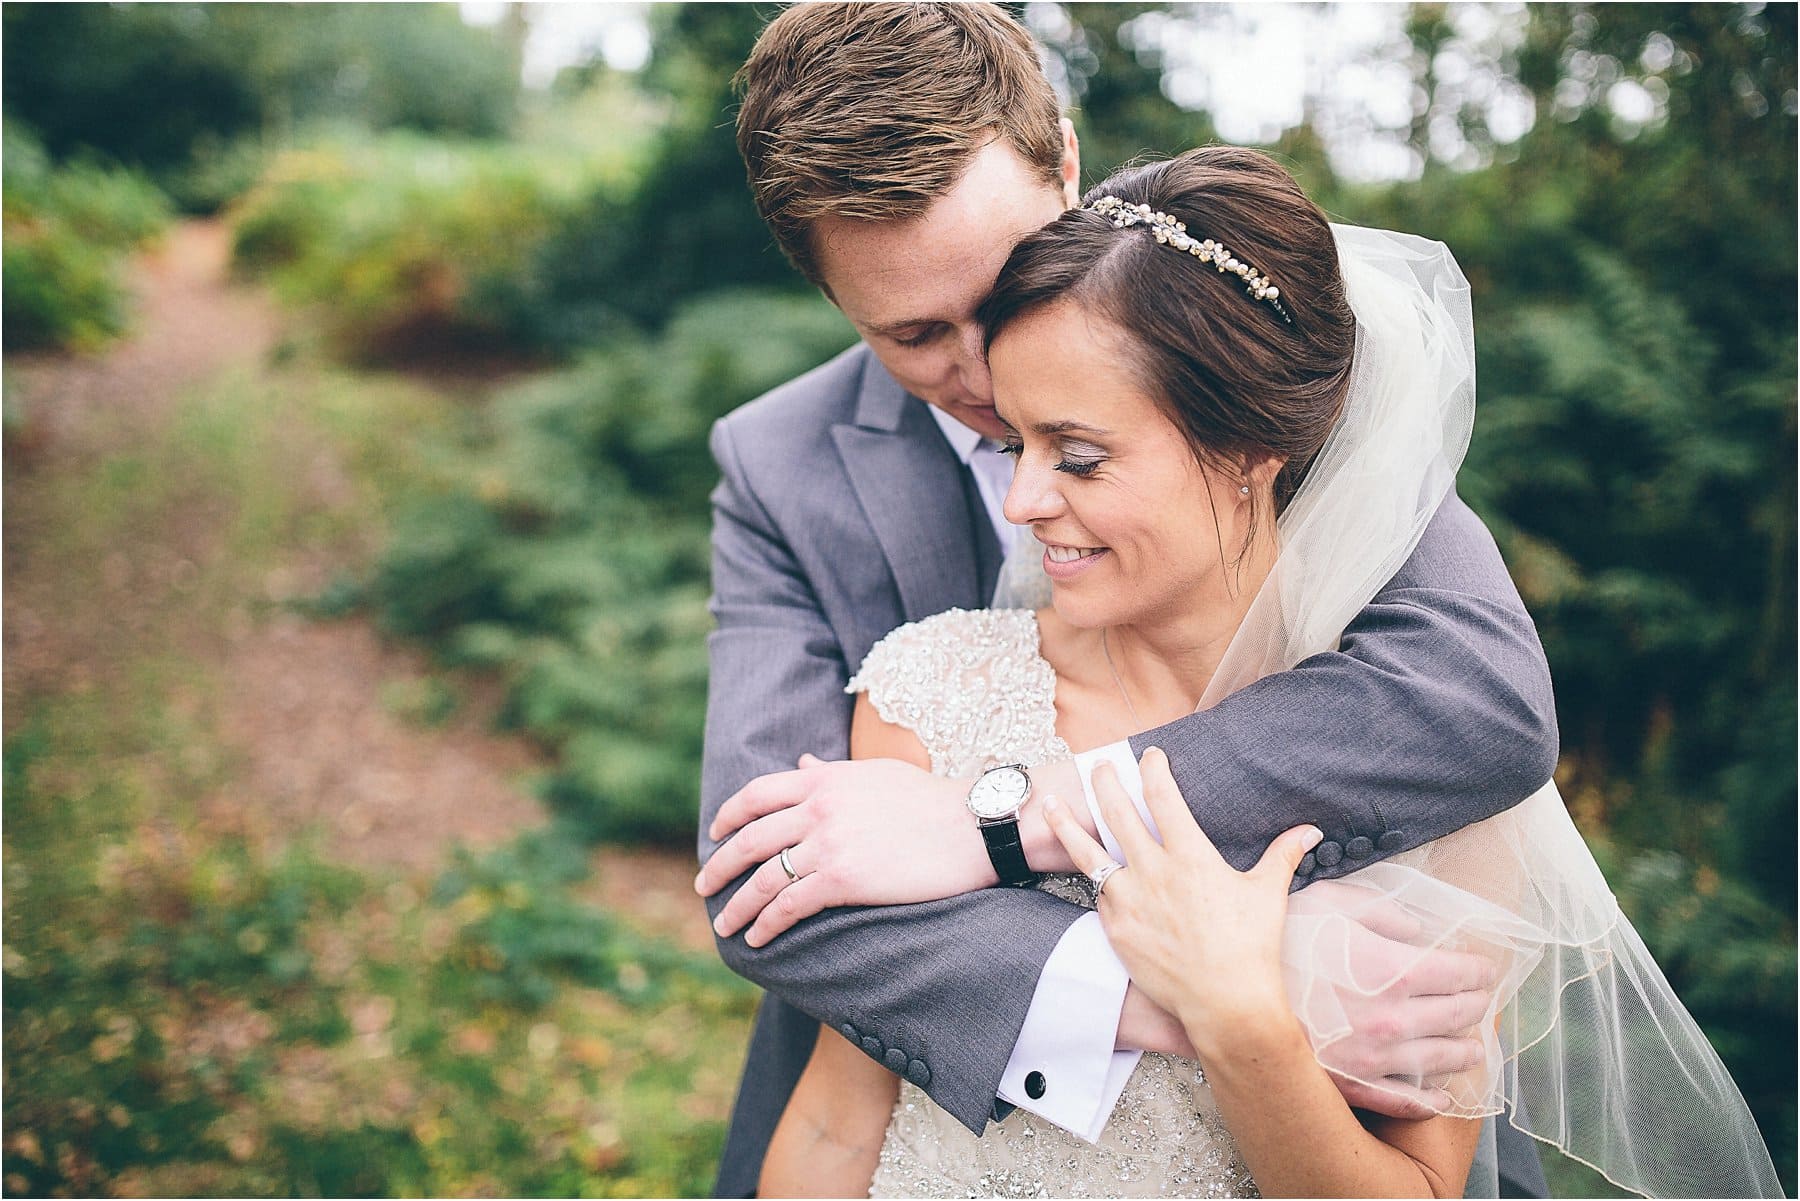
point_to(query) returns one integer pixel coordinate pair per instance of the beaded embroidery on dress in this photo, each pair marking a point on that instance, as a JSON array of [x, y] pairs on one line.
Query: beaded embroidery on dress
[[975, 689]]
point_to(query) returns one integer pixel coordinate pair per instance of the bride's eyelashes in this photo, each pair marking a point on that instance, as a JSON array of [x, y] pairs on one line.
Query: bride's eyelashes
[[1071, 464]]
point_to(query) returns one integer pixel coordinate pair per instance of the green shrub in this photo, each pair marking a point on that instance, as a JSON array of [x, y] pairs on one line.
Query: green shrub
[[60, 290], [218, 172], [402, 241], [631, 256], [162, 86], [184, 1015], [572, 555], [521, 932], [1731, 957], [67, 230], [243, 923]]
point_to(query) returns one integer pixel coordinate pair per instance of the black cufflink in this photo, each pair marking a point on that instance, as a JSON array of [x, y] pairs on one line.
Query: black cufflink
[[1035, 1085]]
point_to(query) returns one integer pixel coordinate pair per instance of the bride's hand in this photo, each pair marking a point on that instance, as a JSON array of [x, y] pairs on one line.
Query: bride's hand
[[1201, 938]]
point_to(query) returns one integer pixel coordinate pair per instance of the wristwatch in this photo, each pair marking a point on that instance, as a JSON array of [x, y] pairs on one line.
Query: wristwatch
[[995, 801]]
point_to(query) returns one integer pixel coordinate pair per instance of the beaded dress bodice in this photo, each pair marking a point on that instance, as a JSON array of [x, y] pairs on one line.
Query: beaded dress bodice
[[976, 690]]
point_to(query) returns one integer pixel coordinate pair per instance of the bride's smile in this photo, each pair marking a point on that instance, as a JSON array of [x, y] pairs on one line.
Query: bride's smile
[[1066, 562]]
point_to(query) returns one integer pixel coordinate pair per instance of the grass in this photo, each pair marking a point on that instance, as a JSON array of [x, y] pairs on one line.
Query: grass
[[191, 1009]]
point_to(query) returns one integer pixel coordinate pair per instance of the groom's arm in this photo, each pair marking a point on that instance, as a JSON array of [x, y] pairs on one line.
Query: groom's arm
[[1436, 711], [877, 975]]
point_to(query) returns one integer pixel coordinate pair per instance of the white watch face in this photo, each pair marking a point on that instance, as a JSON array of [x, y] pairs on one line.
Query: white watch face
[[999, 793]]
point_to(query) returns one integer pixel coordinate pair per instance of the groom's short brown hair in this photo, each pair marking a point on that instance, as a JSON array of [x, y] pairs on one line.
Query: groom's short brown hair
[[873, 111]]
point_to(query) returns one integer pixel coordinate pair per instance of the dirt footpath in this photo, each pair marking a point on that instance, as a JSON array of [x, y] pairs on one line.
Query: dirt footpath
[[301, 715]]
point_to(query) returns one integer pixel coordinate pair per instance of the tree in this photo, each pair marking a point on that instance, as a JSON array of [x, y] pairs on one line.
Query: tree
[[156, 85]]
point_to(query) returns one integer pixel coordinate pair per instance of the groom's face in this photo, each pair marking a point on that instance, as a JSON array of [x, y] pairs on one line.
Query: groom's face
[[911, 287]]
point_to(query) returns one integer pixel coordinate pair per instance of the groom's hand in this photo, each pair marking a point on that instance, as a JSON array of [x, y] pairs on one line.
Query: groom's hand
[[863, 832], [1420, 1025]]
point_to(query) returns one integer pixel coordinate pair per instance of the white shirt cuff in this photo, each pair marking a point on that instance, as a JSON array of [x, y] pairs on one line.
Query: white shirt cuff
[[1065, 1049], [1130, 776]]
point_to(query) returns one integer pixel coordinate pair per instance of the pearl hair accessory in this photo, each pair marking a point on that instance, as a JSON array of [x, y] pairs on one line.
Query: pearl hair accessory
[[1170, 232]]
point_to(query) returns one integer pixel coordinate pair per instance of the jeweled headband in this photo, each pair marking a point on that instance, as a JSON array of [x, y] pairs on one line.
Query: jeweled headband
[[1170, 232]]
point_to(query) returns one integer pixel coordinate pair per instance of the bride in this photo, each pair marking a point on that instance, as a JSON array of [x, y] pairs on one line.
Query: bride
[[1232, 423]]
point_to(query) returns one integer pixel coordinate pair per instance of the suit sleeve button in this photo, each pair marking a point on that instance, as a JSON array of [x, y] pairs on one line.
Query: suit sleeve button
[[1391, 842], [918, 1073], [851, 1032], [1308, 865], [1359, 848], [872, 1046], [1035, 1085], [1329, 854], [895, 1059]]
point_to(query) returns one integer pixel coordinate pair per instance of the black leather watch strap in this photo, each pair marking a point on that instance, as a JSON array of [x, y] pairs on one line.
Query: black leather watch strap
[[1006, 853]]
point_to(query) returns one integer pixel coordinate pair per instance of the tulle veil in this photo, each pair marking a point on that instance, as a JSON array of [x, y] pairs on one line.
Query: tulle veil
[[1589, 1049]]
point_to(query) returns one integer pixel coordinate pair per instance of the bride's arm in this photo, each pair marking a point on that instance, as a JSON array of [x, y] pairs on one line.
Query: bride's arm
[[1299, 1136], [1204, 941], [829, 1139]]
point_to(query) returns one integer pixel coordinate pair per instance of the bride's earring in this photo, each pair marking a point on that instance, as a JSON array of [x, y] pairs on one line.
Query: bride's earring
[[1243, 489]]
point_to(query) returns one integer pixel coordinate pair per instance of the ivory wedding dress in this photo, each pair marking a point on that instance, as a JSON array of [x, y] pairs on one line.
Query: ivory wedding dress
[[977, 692]]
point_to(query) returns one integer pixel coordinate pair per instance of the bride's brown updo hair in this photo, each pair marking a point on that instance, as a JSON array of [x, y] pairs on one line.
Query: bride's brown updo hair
[[1238, 380]]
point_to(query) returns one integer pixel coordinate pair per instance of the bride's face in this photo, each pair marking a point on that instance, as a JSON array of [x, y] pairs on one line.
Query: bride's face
[[1134, 527]]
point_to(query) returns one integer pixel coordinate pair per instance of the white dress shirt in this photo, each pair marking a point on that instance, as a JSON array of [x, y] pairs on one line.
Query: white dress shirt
[[991, 469], [1063, 1066]]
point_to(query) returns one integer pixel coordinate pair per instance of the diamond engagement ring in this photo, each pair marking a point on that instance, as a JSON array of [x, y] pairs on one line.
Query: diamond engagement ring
[[787, 865], [1099, 878]]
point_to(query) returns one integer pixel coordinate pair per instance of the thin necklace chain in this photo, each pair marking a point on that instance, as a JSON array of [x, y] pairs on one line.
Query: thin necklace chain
[[1138, 722]]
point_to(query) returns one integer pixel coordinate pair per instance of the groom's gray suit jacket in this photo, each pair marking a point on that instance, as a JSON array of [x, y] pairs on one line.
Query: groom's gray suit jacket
[[843, 513]]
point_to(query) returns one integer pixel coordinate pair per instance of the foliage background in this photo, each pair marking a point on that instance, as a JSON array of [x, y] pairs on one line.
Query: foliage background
[[577, 275]]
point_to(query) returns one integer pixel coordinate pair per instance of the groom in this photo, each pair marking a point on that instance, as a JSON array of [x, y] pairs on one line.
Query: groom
[[897, 151]]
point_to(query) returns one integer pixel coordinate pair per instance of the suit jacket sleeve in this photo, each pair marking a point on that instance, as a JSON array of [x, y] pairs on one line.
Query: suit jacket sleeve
[[1436, 711], [937, 991]]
